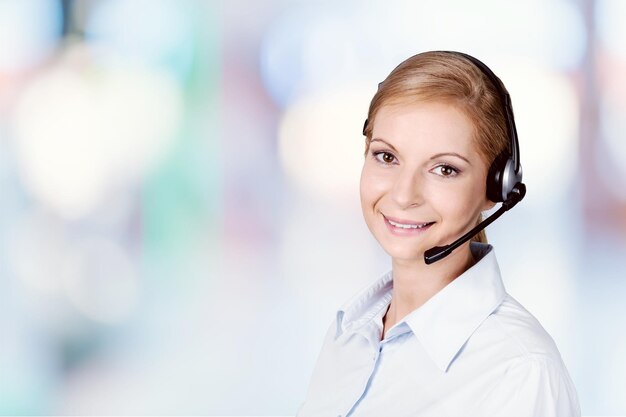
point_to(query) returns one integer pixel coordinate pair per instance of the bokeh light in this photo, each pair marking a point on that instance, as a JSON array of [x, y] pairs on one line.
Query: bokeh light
[[611, 150], [100, 280], [320, 143], [311, 47], [610, 16], [30, 30], [41, 237], [164, 37], [82, 131]]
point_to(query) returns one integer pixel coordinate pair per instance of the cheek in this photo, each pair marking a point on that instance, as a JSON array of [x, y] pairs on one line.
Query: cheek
[[365, 191], [369, 196], [363, 183], [372, 184], [458, 201]]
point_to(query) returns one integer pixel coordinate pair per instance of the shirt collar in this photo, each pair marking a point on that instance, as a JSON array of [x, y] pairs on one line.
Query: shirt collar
[[362, 307], [445, 322]]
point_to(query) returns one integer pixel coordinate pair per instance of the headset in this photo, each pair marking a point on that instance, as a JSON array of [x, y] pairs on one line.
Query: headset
[[504, 178]]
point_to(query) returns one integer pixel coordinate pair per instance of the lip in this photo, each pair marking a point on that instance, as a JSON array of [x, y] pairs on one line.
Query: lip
[[405, 232], [408, 222]]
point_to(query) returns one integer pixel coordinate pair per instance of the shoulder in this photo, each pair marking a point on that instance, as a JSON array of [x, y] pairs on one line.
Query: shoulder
[[521, 330], [512, 338], [533, 385], [532, 377]]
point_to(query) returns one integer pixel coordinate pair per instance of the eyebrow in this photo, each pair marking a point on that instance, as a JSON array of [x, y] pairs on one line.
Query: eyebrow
[[431, 158]]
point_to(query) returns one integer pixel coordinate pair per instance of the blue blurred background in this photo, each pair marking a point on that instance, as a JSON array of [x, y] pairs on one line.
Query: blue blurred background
[[179, 202]]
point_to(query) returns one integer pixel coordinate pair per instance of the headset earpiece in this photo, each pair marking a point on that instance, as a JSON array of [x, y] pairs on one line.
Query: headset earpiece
[[495, 176], [502, 178]]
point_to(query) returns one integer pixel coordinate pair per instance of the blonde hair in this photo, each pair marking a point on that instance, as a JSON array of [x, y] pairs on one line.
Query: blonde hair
[[452, 78]]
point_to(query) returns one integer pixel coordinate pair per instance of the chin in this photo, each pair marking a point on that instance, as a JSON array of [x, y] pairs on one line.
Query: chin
[[405, 253]]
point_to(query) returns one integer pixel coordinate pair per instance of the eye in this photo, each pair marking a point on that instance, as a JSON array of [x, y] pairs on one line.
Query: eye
[[386, 159], [446, 170]]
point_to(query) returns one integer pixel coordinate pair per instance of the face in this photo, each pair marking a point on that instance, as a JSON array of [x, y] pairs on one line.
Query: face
[[422, 170]]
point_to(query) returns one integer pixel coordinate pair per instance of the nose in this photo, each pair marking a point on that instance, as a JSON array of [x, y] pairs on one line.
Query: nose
[[408, 188]]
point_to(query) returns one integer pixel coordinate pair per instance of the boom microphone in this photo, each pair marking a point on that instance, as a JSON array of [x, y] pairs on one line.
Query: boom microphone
[[439, 252]]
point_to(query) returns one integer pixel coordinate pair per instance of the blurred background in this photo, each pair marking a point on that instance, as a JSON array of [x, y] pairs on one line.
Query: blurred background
[[179, 202]]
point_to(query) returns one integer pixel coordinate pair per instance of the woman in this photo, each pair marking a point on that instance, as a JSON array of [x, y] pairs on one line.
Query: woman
[[438, 336]]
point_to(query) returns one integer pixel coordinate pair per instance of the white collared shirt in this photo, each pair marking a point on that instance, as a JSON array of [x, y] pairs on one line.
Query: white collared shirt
[[470, 350]]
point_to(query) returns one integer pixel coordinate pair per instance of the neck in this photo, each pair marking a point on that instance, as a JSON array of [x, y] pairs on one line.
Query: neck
[[414, 282]]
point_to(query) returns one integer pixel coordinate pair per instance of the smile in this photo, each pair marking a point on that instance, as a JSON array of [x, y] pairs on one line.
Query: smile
[[409, 226], [406, 229]]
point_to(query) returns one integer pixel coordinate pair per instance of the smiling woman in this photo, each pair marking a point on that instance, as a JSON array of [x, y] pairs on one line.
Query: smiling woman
[[443, 338]]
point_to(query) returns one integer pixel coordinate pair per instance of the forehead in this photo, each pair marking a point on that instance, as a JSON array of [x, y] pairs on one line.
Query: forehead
[[442, 126]]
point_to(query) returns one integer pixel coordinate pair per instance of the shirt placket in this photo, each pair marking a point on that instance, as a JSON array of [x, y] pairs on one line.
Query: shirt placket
[[373, 335]]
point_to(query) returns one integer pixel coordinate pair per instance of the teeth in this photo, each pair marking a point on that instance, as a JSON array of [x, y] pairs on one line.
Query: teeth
[[408, 226]]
